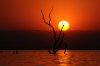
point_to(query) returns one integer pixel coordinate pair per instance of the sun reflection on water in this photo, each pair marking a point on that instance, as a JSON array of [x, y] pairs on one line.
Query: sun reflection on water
[[63, 59]]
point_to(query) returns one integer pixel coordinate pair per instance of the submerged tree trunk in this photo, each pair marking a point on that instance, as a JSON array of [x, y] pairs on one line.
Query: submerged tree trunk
[[16, 51]]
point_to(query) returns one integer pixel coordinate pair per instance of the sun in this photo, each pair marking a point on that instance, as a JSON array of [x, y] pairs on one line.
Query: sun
[[65, 23]]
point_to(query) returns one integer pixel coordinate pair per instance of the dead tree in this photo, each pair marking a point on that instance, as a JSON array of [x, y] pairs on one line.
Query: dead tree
[[16, 51], [57, 41], [65, 47]]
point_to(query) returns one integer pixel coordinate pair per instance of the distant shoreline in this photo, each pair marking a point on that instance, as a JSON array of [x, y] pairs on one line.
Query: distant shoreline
[[44, 40]]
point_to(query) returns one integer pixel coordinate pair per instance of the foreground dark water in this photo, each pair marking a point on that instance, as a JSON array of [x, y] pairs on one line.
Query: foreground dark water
[[42, 58]]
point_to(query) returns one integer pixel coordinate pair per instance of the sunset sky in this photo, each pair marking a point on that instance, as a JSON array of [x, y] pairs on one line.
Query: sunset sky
[[26, 15]]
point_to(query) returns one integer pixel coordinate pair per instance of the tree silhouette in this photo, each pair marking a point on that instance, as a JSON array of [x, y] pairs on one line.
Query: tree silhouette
[[16, 51], [57, 39]]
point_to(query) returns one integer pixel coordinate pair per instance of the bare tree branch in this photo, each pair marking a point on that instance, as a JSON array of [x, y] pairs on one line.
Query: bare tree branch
[[60, 33], [50, 16], [56, 39], [43, 17], [49, 22], [56, 47], [60, 42]]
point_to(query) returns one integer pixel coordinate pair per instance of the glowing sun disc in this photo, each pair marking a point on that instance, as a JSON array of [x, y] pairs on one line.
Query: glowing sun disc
[[66, 25]]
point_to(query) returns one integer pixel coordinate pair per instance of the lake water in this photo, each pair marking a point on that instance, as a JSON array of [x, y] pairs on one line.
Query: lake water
[[43, 58]]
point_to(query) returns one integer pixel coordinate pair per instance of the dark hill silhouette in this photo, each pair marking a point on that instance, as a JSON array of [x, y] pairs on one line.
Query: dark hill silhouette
[[42, 39]]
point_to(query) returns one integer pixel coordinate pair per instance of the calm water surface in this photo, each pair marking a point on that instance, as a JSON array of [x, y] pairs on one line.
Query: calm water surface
[[42, 58]]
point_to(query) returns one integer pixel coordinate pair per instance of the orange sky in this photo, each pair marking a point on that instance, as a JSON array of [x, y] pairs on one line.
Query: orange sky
[[26, 15]]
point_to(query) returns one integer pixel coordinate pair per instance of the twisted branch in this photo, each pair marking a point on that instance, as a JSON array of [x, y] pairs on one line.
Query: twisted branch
[[56, 39], [49, 24], [60, 42], [50, 16]]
